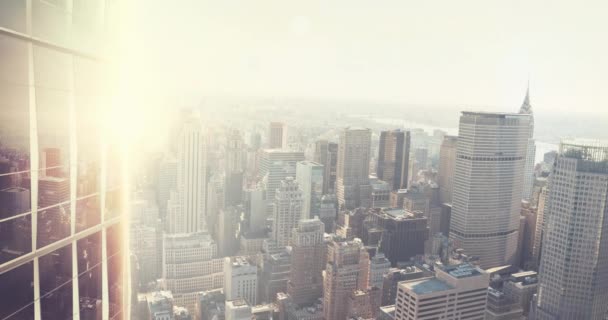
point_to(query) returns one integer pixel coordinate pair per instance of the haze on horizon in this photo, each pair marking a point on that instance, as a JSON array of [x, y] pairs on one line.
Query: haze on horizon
[[453, 53]]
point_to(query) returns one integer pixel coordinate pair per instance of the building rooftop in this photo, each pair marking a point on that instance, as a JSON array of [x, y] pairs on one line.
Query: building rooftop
[[426, 286], [236, 303], [493, 114], [463, 270], [399, 213]]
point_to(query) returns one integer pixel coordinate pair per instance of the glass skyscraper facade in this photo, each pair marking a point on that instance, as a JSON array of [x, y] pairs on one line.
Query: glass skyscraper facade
[[61, 179]]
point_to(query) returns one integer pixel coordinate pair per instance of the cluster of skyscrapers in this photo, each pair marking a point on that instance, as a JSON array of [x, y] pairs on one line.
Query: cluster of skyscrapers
[[375, 225], [352, 223]]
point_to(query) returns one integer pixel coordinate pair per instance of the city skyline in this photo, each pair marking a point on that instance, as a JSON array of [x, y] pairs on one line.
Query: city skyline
[[305, 161]]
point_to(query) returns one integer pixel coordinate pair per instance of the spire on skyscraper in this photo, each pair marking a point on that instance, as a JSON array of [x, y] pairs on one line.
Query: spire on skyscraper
[[526, 108]]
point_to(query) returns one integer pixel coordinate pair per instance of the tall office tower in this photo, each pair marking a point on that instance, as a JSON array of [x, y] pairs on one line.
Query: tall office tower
[[574, 261], [455, 292], [377, 267], [340, 276], [326, 153], [240, 279], [352, 181], [167, 182], [53, 100], [381, 193], [310, 178], [308, 256], [257, 206], [447, 164], [234, 169], [215, 200], [418, 161], [402, 233], [227, 230], [275, 274], [393, 158], [488, 179], [350, 223], [277, 137], [288, 205], [529, 216], [539, 227], [328, 212], [192, 175], [189, 266], [526, 108], [278, 165], [51, 160]]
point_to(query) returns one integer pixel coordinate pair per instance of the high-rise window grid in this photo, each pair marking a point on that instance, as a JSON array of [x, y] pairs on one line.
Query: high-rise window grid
[[61, 181]]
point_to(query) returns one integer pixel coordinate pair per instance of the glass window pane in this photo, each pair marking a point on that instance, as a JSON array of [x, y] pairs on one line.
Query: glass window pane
[[114, 165], [14, 103], [53, 224], [15, 238], [88, 212], [115, 285], [53, 132], [89, 276], [14, 64], [12, 15], [56, 284], [86, 27], [19, 283], [15, 197], [88, 115], [114, 204], [50, 21], [51, 68]]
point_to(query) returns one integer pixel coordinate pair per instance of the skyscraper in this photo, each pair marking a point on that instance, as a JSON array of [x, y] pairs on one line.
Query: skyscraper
[[310, 178], [192, 175], [167, 182], [340, 277], [488, 178], [526, 108], [190, 266], [352, 182], [53, 76], [277, 165], [393, 158], [288, 205], [574, 262], [402, 233], [447, 163], [326, 154], [234, 169], [277, 135], [308, 260], [241, 279], [418, 162]]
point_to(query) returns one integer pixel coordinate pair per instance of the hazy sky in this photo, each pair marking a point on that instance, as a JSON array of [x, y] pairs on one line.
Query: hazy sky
[[460, 53]]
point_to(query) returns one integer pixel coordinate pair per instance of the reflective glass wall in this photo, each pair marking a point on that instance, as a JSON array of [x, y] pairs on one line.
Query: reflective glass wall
[[61, 243]]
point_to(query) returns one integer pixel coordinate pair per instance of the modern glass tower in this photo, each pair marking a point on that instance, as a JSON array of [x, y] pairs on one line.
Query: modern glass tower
[[61, 179], [573, 273], [488, 180]]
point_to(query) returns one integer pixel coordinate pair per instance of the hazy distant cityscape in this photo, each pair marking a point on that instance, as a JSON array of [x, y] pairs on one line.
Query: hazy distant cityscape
[[388, 175], [353, 216]]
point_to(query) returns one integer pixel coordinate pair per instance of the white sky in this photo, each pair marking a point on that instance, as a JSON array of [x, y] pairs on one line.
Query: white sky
[[460, 53]]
